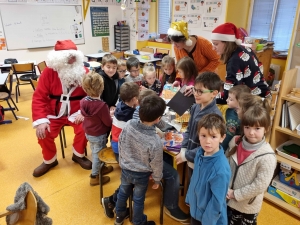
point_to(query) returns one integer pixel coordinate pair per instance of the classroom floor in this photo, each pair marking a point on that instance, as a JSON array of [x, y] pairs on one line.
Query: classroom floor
[[66, 188]]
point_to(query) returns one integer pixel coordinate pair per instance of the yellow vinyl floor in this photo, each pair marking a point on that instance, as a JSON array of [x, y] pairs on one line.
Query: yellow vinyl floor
[[66, 188]]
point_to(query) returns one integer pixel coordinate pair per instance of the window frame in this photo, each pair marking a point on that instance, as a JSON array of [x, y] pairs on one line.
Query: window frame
[[170, 15]]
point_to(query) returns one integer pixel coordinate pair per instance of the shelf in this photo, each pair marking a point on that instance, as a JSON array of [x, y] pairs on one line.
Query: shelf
[[282, 204], [291, 99], [294, 165], [287, 131]]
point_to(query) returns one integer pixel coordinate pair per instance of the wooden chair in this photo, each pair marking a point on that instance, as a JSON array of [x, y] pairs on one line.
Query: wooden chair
[[41, 66], [158, 63], [28, 215], [118, 55], [27, 74], [5, 94], [146, 49]]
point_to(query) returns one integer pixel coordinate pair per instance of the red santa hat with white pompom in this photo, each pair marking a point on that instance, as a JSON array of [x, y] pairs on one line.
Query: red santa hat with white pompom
[[226, 32]]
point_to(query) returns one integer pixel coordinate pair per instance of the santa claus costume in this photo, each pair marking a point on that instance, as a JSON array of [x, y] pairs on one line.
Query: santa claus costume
[[242, 67], [56, 102]]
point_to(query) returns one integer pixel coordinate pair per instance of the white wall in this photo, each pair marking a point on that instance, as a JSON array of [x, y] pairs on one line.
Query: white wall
[[92, 44]]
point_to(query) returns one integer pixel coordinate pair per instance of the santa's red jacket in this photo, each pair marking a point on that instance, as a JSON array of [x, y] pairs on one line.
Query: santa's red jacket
[[45, 103]]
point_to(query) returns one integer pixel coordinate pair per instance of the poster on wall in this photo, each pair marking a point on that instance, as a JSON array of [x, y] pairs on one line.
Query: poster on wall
[[194, 20], [210, 22], [143, 24], [196, 6], [180, 7], [99, 21], [2, 37], [178, 17], [143, 35], [213, 8]]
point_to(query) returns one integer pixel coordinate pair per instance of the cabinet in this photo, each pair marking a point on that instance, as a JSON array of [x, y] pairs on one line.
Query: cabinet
[[280, 135], [122, 37], [264, 57]]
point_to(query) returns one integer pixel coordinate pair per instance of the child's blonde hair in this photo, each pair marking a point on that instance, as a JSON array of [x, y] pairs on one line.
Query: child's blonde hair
[[168, 61], [238, 90], [93, 84], [148, 68], [188, 66], [121, 62]]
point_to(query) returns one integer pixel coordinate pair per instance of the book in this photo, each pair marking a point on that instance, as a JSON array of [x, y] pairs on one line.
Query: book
[[285, 188], [294, 115], [282, 119], [180, 103]]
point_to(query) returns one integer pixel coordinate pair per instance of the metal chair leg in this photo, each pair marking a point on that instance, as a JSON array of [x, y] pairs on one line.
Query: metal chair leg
[[64, 136], [11, 109], [61, 144], [161, 216], [100, 181], [183, 178], [14, 103]]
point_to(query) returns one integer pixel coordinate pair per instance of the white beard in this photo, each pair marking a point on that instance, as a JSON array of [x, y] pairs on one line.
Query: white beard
[[69, 74]]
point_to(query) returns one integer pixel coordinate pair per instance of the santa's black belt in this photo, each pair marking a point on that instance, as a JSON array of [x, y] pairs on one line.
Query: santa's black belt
[[64, 98]]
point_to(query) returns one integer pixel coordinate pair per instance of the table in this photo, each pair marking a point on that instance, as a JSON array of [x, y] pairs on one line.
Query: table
[[3, 78], [97, 56], [8, 66]]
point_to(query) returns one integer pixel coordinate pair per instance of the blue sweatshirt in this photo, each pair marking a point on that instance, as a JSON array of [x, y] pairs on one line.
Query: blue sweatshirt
[[208, 188]]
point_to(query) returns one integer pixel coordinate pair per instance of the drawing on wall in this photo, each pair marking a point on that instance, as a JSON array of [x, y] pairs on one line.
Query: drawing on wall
[[180, 6], [213, 8], [143, 24], [194, 20], [178, 17], [196, 6], [210, 22], [77, 27]]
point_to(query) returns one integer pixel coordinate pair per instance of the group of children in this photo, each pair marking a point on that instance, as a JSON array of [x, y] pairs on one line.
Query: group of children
[[224, 188]]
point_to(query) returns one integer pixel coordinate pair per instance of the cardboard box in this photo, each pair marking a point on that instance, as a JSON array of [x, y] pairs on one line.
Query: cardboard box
[[285, 188], [284, 197]]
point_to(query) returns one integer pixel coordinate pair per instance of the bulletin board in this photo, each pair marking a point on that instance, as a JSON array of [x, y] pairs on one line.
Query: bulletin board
[[34, 26]]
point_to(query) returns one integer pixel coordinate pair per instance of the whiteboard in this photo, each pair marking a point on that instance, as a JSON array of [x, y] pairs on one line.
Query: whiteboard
[[35, 26]]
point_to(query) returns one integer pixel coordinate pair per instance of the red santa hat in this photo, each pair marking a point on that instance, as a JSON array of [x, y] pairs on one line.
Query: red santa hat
[[65, 45], [226, 32]]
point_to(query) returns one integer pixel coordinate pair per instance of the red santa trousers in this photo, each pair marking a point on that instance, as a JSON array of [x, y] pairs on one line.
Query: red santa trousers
[[48, 144]]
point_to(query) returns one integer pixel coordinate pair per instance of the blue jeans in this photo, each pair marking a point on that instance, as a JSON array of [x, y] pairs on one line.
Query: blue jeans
[[171, 187], [97, 143], [138, 180]]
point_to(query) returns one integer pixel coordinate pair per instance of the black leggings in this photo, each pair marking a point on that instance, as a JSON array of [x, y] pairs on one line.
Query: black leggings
[[238, 218]]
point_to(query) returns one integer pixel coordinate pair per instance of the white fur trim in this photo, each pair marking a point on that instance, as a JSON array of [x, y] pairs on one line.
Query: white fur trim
[[223, 37], [188, 42], [40, 121], [238, 41], [174, 32], [51, 160]]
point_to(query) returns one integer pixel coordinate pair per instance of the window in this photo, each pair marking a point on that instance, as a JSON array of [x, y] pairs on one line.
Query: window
[[164, 16], [274, 20]]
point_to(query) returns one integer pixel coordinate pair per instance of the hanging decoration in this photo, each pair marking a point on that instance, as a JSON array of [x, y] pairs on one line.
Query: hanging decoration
[[123, 5]]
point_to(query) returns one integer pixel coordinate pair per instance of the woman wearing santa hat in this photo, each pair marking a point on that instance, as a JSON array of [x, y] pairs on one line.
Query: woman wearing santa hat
[[196, 47], [242, 65]]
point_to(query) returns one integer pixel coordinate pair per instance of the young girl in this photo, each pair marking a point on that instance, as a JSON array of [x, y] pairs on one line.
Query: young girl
[[231, 117], [150, 80], [252, 162], [168, 70], [187, 72]]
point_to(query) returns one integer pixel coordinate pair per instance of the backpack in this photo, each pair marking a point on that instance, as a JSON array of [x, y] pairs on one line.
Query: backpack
[[1, 113]]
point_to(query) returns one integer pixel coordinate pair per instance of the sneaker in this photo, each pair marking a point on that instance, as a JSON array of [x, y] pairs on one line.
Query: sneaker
[[94, 180], [108, 207], [177, 214], [151, 223], [106, 169], [120, 219]]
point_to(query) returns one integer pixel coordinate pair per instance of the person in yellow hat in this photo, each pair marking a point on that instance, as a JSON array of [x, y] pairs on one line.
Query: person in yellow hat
[[196, 47]]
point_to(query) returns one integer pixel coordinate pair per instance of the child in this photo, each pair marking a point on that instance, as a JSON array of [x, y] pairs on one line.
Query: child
[[121, 71], [232, 120], [133, 66], [206, 194], [110, 76], [139, 159], [168, 70], [247, 100], [150, 80], [252, 162], [187, 73], [207, 86], [97, 122], [129, 93]]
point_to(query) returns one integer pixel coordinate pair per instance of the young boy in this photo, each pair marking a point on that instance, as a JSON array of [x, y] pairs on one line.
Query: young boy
[[141, 155], [207, 191], [206, 88], [121, 71], [108, 71], [97, 122], [133, 66], [129, 93], [231, 117], [170, 176]]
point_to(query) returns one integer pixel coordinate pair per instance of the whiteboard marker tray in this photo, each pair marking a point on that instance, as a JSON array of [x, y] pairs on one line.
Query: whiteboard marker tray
[[280, 152]]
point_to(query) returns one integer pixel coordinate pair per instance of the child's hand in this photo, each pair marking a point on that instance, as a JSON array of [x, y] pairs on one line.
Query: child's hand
[[176, 84], [155, 186], [230, 194], [79, 118], [188, 90], [178, 159], [112, 110]]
